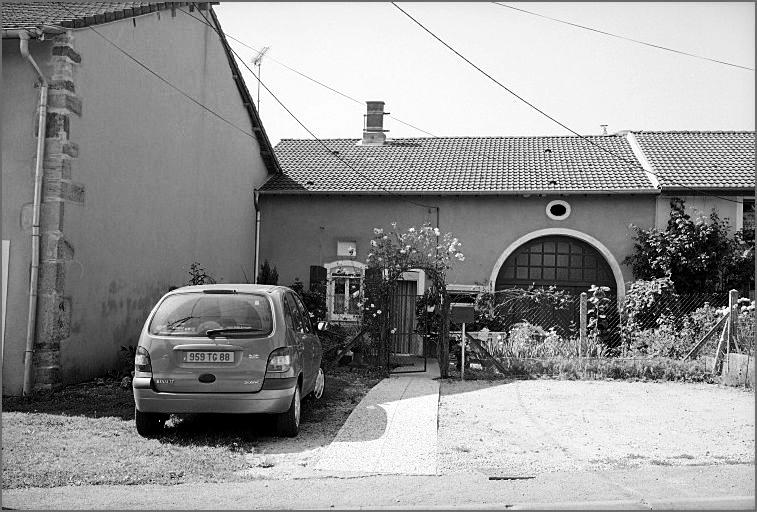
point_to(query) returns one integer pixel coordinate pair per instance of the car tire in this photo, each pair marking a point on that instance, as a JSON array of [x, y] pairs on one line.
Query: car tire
[[149, 424], [319, 386], [289, 422]]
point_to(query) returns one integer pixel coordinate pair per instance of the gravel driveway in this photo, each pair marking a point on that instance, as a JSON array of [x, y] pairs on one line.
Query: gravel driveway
[[539, 426]]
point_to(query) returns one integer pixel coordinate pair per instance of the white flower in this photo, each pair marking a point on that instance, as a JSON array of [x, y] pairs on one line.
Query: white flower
[[393, 330], [373, 243], [460, 256], [378, 312], [437, 232], [373, 306], [411, 230], [378, 231]]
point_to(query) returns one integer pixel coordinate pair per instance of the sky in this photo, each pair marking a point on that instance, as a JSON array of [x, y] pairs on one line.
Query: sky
[[372, 51]]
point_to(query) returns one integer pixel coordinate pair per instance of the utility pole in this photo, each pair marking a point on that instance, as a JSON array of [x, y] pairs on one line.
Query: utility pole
[[257, 61]]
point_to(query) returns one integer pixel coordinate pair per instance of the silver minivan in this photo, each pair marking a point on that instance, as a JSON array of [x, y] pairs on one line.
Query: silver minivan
[[226, 348]]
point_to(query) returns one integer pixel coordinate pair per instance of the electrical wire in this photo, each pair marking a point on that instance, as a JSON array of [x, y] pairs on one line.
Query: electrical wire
[[338, 92], [209, 110], [165, 81], [551, 118], [313, 135], [624, 37], [332, 89]]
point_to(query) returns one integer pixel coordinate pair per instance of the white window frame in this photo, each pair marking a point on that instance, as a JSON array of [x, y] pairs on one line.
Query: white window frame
[[331, 269], [558, 202]]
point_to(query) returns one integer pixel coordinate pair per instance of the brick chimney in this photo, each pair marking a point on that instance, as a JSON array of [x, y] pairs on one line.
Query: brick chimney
[[373, 132]]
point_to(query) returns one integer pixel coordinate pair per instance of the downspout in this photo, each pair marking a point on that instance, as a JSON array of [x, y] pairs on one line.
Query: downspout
[[34, 277], [256, 201]]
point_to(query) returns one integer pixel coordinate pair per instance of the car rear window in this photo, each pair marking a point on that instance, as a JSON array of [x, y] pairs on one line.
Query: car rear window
[[192, 314]]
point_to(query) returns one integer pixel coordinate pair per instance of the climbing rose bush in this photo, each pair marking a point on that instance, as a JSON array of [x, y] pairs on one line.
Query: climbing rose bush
[[424, 247]]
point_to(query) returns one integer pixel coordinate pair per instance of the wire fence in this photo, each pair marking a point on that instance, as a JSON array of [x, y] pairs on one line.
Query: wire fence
[[529, 326], [529, 332]]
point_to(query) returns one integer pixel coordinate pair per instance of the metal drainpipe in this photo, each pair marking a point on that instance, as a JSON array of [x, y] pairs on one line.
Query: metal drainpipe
[[34, 278]]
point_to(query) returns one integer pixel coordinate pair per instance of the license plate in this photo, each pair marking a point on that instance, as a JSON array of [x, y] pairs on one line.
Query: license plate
[[208, 357]]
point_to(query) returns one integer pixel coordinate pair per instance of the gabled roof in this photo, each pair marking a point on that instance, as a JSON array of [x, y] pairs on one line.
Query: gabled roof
[[30, 15], [461, 165], [702, 160]]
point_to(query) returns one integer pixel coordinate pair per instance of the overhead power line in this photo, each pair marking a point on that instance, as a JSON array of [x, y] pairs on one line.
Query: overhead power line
[[164, 80], [315, 81], [545, 114], [217, 115], [221, 36], [652, 45]]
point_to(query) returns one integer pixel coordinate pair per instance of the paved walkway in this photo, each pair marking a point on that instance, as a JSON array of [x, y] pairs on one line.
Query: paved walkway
[[392, 431]]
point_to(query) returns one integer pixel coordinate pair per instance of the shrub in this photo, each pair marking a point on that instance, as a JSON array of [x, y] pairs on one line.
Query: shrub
[[697, 254]]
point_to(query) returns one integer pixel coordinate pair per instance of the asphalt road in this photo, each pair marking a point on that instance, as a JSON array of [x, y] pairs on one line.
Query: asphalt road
[[649, 488]]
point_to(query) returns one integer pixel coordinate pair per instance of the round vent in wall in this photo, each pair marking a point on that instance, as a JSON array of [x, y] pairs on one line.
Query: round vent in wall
[[558, 210]]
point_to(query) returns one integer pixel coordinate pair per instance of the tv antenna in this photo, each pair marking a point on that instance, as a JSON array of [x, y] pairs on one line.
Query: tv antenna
[[257, 61]]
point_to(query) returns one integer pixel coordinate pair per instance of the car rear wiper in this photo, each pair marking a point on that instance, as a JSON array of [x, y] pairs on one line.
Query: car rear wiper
[[178, 322], [212, 333]]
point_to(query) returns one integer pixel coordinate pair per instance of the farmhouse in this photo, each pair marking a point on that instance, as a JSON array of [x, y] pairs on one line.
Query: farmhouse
[[529, 210]]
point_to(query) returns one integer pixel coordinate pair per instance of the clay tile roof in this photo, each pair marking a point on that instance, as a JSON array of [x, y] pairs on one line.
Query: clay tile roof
[[28, 15], [460, 165], [703, 160]]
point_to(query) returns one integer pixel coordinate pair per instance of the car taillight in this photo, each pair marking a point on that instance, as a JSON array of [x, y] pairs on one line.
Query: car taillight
[[142, 361], [280, 360]]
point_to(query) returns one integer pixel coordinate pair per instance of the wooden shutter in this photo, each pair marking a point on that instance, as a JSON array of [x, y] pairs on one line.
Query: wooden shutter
[[373, 275], [317, 277]]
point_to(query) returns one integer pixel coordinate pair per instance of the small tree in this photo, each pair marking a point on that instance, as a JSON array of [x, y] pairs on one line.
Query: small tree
[[267, 274], [393, 253], [198, 275], [697, 254]]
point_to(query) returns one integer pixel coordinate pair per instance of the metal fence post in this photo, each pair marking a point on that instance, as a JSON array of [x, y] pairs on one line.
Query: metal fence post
[[582, 324], [462, 355], [733, 309]]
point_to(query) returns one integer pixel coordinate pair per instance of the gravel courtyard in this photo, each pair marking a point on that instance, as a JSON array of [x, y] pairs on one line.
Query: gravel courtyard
[[526, 428]]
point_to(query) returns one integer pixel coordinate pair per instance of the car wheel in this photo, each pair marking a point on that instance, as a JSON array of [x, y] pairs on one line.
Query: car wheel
[[320, 384], [289, 422], [149, 424]]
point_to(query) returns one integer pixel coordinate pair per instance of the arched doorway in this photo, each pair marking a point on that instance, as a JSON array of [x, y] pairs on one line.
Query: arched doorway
[[568, 263]]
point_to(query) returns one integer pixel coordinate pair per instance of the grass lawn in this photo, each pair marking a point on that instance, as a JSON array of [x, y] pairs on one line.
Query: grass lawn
[[85, 435]]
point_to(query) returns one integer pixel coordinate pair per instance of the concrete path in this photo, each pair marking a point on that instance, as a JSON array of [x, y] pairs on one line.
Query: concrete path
[[392, 431]]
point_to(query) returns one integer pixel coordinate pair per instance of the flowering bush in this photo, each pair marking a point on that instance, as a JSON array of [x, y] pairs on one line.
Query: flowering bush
[[396, 252], [696, 254]]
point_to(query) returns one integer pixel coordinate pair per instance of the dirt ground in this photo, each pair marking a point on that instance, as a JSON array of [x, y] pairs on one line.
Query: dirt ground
[[85, 435], [531, 427]]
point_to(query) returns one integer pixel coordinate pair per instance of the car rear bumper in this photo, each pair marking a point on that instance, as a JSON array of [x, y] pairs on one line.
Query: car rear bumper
[[265, 401]]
